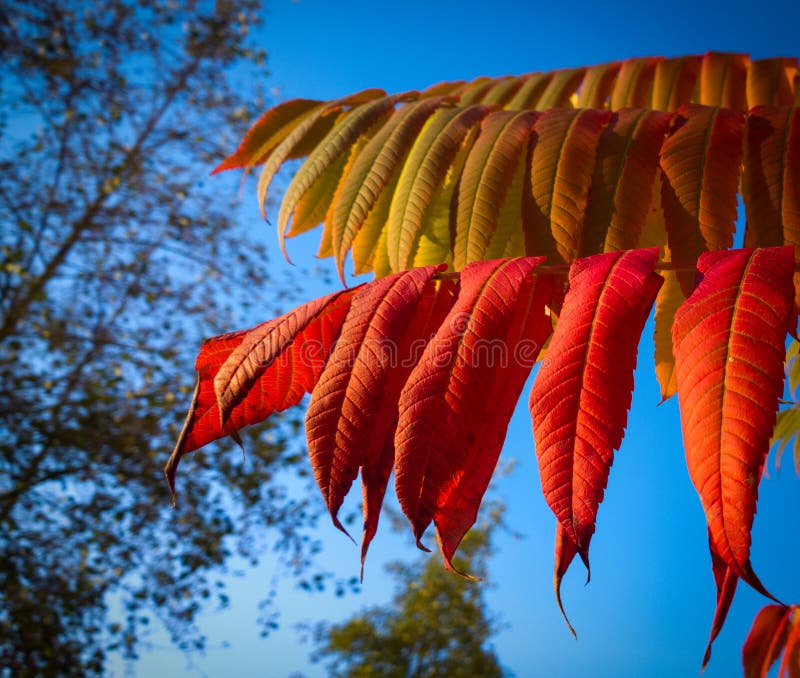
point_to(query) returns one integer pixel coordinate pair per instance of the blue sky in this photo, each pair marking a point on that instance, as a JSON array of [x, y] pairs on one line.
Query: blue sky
[[649, 606]]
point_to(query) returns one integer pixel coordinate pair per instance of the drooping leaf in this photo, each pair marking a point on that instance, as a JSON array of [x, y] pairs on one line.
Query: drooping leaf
[[372, 172], [674, 82], [531, 92], [431, 311], [313, 206], [725, 580], [286, 148], [485, 181], [473, 92], [771, 179], [354, 128], [775, 629], [670, 298], [621, 189], [787, 426], [634, 83], [723, 78], [729, 349], [597, 85], [353, 408], [280, 360], [560, 89], [581, 396], [370, 243], [561, 174], [426, 169], [456, 404], [267, 132], [279, 372], [786, 433], [772, 82], [503, 91], [700, 162]]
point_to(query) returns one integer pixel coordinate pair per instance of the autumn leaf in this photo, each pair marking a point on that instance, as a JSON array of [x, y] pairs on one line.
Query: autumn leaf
[[729, 349], [562, 165], [245, 376], [456, 404], [775, 629], [352, 415], [725, 580], [581, 396], [771, 180], [700, 162]]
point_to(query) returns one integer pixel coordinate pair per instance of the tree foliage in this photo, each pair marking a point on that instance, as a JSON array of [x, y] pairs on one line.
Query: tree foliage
[[436, 625], [647, 154], [115, 260]]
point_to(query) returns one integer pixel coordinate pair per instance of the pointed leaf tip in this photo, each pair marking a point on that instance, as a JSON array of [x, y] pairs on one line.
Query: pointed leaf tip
[[729, 339], [581, 396], [565, 554], [351, 418], [456, 404]]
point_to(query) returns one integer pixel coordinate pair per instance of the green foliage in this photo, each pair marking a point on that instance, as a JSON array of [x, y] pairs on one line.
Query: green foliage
[[115, 262], [787, 427], [437, 625]]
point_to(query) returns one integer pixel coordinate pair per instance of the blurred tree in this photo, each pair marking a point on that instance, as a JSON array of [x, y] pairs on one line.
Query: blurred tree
[[114, 264], [438, 625]]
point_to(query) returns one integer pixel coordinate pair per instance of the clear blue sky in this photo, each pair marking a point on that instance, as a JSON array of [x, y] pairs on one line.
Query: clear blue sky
[[649, 606]]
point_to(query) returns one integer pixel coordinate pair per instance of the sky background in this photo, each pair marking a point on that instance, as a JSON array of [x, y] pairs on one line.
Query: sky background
[[648, 609]]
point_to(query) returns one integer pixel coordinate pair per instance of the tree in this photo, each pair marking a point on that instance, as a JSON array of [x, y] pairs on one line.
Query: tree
[[115, 260], [624, 177], [436, 625]]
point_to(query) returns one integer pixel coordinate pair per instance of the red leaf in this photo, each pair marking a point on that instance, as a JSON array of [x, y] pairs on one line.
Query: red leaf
[[353, 409], [300, 339], [766, 639], [729, 351], [265, 369], [456, 404], [582, 394], [725, 580]]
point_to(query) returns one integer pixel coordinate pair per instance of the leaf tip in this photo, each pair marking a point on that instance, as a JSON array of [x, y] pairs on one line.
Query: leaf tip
[[584, 554], [557, 587], [422, 546], [338, 525]]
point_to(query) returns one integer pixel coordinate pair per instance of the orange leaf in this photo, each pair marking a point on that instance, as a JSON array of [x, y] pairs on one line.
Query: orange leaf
[[771, 179], [722, 80], [674, 82], [634, 83], [353, 409], [729, 349], [486, 180], [457, 402], [380, 159], [597, 85], [700, 161], [767, 638], [561, 175], [771, 82], [267, 132], [425, 170], [627, 162]]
